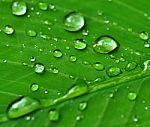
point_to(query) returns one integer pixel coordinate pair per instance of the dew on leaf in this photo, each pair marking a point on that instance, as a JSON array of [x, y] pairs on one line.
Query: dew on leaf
[[8, 30], [132, 96], [135, 119], [57, 53], [43, 6], [19, 8], [39, 68], [144, 35], [34, 87], [131, 66], [105, 44], [72, 58], [74, 21], [83, 105], [80, 44], [146, 65], [31, 33], [22, 107], [79, 117], [55, 70], [146, 44], [54, 115], [85, 32], [98, 66], [32, 59], [52, 7], [113, 71]]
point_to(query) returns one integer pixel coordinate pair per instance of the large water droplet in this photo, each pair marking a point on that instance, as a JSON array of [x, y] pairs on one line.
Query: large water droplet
[[73, 21], [105, 44], [98, 66], [19, 8], [57, 53], [132, 96], [34, 87], [43, 6], [54, 115], [113, 71], [22, 107], [80, 44], [8, 30], [131, 66], [144, 35], [39, 68], [31, 33], [82, 105]]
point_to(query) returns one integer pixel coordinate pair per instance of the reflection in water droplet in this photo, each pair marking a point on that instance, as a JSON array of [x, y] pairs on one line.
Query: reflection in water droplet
[[73, 21], [132, 96], [22, 107], [8, 30], [19, 8], [98, 66], [144, 35], [39, 68], [43, 6], [57, 53], [80, 44], [131, 66], [113, 71], [72, 58], [105, 44], [31, 33], [82, 105], [54, 115], [34, 87]]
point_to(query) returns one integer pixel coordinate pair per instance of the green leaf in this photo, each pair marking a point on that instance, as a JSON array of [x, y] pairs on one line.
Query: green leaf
[[75, 86]]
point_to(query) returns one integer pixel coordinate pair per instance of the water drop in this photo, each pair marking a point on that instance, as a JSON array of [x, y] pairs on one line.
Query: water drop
[[146, 108], [105, 44], [79, 117], [146, 65], [39, 68], [132, 96], [31, 33], [19, 8], [32, 59], [113, 71], [22, 107], [43, 6], [135, 119], [8, 30], [54, 115], [85, 32], [131, 66], [73, 21], [55, 70], [80, 44], [98, 66], [144, 35], [52, 7], [82, 105], [57, 53], [146, 44], [72, 58], [34, 87]]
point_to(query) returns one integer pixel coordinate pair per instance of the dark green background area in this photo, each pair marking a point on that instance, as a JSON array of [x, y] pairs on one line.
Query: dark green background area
[[102, 111]]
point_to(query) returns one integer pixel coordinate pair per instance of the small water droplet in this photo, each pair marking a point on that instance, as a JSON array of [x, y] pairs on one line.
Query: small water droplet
[[54, 115], [146, 44], [131, 66], [98, 66], [22, 107], [113, 71], [79, 117], [73, 21], [39, 68], [132, 96], [57, 53], [85, 32], [8, 30], [31, 33], [19, 8], [105, 44], [32, 59], [52, 7], [46, 91], [146, 65], [43, 6], [144, 35], [34, 87], [73, 58], [28, 118], [83, 105], [111, 95], [55, 70], [80, 44], [135, 118], [5, 61]]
